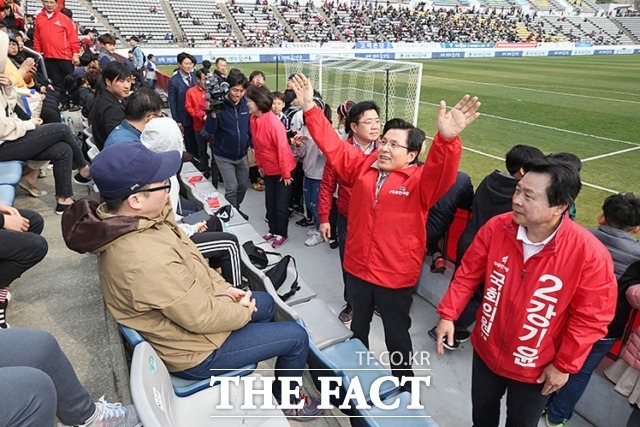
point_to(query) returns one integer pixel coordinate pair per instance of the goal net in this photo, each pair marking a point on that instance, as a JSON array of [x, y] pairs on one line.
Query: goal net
[[393, 85]]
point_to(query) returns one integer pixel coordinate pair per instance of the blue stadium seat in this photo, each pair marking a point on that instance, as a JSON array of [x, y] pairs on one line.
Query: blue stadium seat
[[399, 417], [10, 175], [182, 387]]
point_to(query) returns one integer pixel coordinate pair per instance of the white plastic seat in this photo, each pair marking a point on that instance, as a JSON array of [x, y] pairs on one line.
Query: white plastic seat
[[158, 406]]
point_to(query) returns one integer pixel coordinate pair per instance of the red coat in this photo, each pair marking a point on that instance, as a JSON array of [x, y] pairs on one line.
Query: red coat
[[631, 350], [331, 179], [55, 37], [386, 239], [550, 309], [273, 153], [195, 104]]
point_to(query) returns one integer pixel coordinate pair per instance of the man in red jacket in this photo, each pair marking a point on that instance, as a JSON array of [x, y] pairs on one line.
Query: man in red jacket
[[363, 122], [56, 38], [390, 199], [549, 294]]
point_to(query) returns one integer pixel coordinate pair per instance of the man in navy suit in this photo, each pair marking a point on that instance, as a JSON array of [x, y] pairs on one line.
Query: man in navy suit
[[178, 85]]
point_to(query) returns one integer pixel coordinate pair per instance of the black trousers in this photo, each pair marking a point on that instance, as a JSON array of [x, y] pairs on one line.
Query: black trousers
[[394, 306], [524, 400], [277, 197], [222, 251], [19, 251], [58, 69]]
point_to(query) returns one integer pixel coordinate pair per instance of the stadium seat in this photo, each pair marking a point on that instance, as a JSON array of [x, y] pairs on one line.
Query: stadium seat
[[157, 404], [399, 417], [349, 361], [10, 175], [182, 387]]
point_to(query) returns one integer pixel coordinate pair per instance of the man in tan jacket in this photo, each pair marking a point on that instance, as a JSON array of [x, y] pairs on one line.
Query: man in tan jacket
[[155, 280]]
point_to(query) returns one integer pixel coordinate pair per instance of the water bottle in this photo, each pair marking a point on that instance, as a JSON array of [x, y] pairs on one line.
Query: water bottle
[[62, 120], [70, 122]]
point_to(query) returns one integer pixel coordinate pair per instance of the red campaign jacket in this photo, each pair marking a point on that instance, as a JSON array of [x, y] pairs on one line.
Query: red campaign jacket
[[386, 239], [551, 309], [195, 104], [328, 184], [273, 153], [55, 38]]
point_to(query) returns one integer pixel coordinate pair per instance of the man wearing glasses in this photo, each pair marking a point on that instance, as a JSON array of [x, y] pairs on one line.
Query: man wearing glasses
[[390, 200], [155, 281]]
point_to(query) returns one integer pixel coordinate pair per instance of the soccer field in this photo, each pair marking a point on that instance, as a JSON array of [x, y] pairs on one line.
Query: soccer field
[[587, 105]]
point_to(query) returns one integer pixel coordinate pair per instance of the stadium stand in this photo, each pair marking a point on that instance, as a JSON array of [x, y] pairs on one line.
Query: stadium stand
[[204, 23], [352, 23], [306, 22], [259, 24], [600, 30], [631, 24], [136, 18], [84, 18]]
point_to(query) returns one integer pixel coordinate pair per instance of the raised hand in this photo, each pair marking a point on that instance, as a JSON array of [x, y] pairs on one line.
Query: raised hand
[[452, 123], [304, 91]]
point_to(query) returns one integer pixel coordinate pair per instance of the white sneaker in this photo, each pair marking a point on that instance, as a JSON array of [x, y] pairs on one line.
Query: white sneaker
[[314, 239], [311, 232], [113, 415]]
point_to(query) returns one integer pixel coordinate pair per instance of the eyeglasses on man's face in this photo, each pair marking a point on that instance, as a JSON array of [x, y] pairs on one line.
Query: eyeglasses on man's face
[[166, 186], [392, 144], [370, 122]]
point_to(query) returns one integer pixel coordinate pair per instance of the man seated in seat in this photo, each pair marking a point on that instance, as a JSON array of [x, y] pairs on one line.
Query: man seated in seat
[[155, 280], [142, 106]]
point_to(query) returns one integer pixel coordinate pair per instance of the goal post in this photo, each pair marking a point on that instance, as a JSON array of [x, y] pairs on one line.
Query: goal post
[[393, 85]]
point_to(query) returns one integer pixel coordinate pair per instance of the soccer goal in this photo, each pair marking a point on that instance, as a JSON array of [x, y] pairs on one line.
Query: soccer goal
[[393, 85]]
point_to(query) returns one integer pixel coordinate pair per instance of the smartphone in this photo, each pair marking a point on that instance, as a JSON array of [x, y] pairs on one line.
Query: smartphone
[[196, 217]]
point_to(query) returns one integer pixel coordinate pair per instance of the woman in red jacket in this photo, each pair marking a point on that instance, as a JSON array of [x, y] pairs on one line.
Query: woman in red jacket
[[195, 104], [275, 162]]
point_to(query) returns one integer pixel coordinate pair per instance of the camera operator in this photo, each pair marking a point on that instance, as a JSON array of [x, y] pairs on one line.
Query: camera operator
[[228, 124]]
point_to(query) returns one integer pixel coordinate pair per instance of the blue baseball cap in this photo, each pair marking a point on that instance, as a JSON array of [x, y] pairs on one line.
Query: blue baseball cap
[[122, 169]]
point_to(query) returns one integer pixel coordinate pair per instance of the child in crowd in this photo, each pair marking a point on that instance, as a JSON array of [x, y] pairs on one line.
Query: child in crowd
[[306, 150]]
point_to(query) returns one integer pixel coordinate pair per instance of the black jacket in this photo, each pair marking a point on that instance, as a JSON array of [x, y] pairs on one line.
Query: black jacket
[[493, 197], [106, 113]]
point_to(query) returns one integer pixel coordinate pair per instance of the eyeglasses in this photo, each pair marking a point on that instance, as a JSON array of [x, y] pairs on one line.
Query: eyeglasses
[[166, 187], [391, 144], [370, 122]]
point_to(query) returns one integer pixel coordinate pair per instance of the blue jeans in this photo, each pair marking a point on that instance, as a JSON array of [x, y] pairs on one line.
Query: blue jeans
[[561, 404], [259, 340], [311, 195]]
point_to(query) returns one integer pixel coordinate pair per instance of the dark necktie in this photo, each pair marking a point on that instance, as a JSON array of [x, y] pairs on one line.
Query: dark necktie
[[189, 80]]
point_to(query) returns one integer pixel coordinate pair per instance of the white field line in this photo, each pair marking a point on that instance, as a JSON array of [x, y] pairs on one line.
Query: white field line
[[586, 135], [597, 187], [601, 156], [536, 90], [572, 132]]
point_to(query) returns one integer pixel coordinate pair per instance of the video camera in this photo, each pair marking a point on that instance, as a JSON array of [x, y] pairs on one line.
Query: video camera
[[216, 92]]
